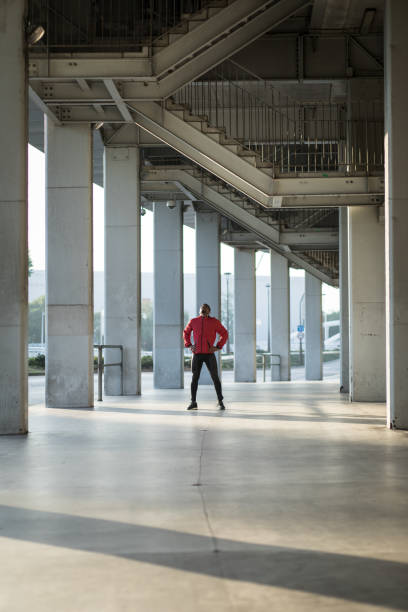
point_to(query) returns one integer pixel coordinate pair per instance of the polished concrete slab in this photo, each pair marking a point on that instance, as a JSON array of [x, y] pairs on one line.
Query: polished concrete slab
[[293, 499]]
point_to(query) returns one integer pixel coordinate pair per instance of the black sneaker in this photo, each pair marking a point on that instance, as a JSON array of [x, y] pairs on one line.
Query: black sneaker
[[192, 406], [221, 405]]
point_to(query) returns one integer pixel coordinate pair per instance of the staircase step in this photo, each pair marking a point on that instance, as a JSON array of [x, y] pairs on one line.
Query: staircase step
[[235, 148], [250, 158], [207, 129], [214, 10], [174, 38], [193, 24], [198, 16], [189, 117], [179, 28], [216, 136], [161, 41], [197, 124], [173, 106]]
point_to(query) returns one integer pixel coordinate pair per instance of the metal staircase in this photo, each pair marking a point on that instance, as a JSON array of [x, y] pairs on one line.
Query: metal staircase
[[234, 205]]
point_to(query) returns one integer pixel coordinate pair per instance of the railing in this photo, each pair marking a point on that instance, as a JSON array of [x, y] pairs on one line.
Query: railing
[[107, 25], [101, 365], [291, 136], [276, 364]]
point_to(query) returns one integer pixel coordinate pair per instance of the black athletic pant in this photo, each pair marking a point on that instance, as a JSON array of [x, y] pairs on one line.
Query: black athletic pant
[[211, 363]]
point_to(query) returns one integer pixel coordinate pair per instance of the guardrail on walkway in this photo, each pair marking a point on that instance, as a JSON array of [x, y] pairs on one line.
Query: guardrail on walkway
[[102, 365], [263, 355]]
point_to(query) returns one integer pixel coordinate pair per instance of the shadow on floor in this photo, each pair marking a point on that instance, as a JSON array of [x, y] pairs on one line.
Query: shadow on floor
[[228, 414], [353, 578]]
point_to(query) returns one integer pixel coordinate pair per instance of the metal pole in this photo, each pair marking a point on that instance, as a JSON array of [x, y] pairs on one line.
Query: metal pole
[[121, 370], [269, 314], [227, 275], [263, 366], [100, 370]]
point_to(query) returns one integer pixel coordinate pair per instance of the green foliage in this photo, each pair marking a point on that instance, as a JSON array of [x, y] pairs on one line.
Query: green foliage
[[30, 265], [97, 328], [333, 316], [147, 325], [36, 308], [37, 362], [147, 363]]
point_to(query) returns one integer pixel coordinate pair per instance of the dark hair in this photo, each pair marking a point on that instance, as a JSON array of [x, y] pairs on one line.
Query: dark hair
[[205, 306]]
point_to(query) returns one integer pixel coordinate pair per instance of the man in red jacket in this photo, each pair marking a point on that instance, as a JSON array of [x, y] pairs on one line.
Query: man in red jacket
[[205, 329]]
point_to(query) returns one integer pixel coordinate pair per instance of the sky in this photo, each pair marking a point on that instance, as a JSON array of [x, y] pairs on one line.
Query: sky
[[36, 234]]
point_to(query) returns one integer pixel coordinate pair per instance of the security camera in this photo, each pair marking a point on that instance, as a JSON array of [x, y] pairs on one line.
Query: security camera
[[171, 204]]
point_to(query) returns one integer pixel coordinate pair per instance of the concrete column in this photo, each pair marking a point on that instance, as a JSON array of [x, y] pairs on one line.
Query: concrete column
[[168, 352], [208, 280], [280, 340], [366, 305], [122, 267], [396, 211], [244, 316], [69, 295], [344, 313], [313, 328], [13, 221]]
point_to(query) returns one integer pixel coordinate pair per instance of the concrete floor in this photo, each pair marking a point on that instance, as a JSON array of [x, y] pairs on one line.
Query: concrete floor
[[292, 500]]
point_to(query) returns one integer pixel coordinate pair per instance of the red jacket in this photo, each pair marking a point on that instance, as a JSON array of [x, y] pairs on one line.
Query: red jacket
[[204, 329]]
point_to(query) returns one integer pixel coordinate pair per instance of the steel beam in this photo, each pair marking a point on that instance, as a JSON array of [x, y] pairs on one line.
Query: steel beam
[[268, 235]]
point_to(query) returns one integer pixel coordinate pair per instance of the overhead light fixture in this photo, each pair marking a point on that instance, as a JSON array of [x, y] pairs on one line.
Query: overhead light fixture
[[35, 34], [98, 125], [142, 211], [171, 204]]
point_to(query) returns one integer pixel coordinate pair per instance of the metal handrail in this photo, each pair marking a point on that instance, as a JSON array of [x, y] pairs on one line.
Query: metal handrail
[[263, 355], [102, 365], [291, 136]]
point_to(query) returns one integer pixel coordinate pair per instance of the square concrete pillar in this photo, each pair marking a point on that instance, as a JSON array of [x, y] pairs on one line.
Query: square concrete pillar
[[366, 304], [313, 328], [168, 346], [244, 316], [69, 287], [208, 280], [344, 312], [13, 221], [280, 338], [396, 211], [122, 267]]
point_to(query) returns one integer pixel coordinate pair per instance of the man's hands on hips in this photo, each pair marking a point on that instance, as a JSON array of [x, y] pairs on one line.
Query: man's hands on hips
[[211, 349]]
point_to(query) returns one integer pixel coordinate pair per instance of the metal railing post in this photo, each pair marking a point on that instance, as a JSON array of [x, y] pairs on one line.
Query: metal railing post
[[102, 365], [121, 369], [100, 371]]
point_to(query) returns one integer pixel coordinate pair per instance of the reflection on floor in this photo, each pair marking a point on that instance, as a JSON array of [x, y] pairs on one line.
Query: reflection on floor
[[293, 499]]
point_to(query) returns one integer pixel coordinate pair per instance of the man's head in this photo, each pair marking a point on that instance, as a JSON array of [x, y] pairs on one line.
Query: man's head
[[205, 310]]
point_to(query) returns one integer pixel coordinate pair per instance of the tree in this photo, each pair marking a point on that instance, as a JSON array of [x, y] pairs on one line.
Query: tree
[[35, 315], [147, 325], [97, 327], [30, 265]]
